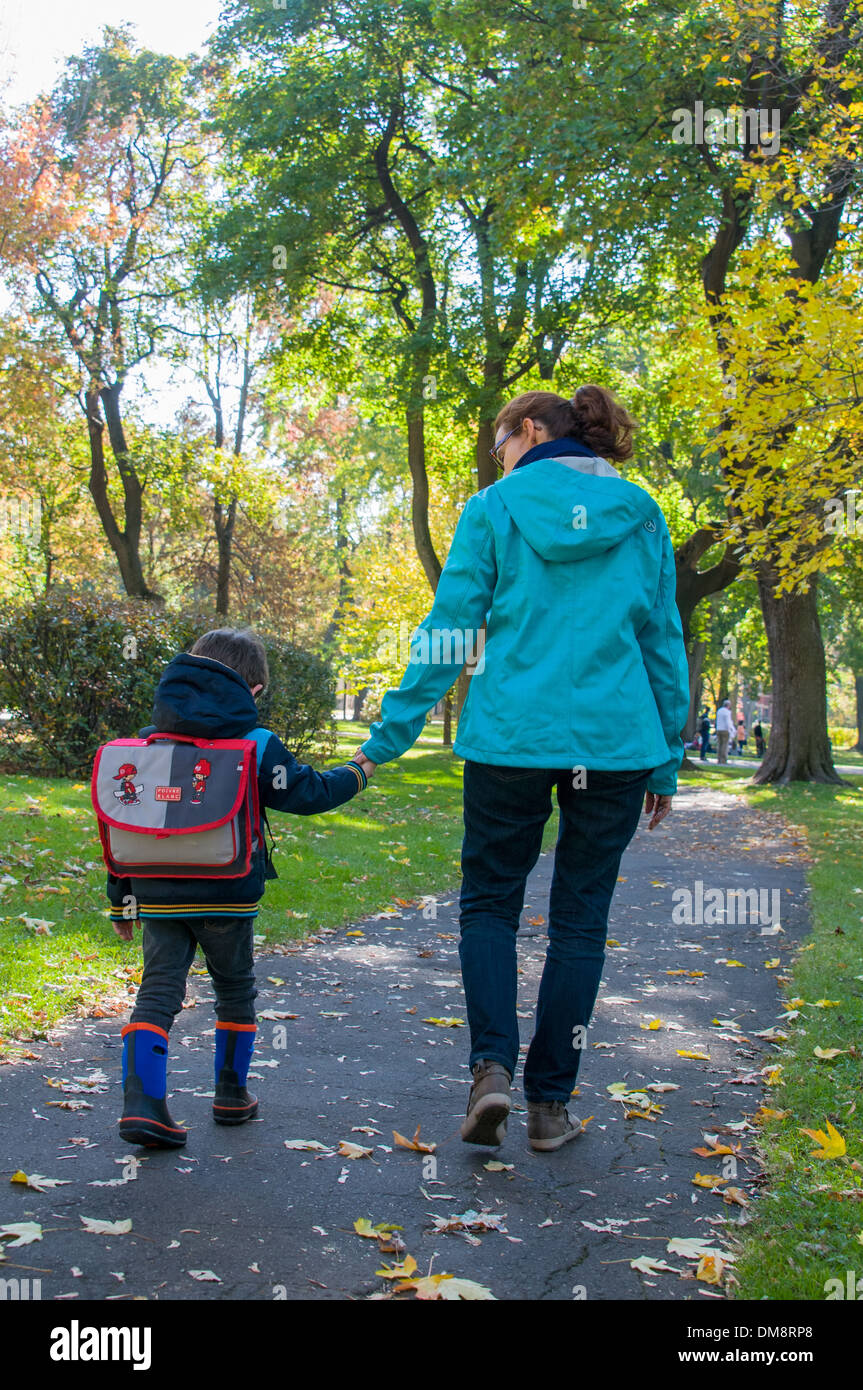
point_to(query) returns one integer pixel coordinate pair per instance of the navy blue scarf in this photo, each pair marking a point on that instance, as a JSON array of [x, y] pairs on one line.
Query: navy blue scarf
[[554, 449]]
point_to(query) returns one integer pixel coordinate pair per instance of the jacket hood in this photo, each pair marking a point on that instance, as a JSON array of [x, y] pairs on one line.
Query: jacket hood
[[570, 508], [203, 698]]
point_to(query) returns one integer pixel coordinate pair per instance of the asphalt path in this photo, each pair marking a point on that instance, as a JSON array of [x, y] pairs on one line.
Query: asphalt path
[[346, 1057]]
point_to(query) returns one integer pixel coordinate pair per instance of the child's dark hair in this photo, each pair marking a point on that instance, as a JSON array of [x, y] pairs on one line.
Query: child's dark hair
[[593, 416], [239, 648]]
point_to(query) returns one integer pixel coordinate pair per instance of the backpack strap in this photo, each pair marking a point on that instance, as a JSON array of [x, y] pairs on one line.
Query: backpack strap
[[261, 737]]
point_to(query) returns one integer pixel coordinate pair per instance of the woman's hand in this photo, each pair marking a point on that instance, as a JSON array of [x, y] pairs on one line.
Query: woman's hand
[[659, 805], [125, 930], [365, 763]]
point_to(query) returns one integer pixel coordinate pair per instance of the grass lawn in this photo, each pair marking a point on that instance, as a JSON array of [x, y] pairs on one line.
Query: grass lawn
[[398, 839], [807, 1227]]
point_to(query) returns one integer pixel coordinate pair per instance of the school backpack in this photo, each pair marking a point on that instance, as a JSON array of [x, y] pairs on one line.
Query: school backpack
[[171, 806]]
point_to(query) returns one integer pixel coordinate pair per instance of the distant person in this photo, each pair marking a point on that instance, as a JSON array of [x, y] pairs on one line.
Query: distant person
[[741, 737], [758, 735], [704, 731], [724, 730]]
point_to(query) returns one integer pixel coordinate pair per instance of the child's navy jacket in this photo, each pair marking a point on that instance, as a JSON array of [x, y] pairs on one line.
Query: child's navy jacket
[[205, 699]]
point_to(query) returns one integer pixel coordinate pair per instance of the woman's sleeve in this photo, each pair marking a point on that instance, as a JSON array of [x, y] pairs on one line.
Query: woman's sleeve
[[664, 654], [444, 640]]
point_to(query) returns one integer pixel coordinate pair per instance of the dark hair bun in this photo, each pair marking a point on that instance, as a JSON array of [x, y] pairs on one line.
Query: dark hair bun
[[602, 423]]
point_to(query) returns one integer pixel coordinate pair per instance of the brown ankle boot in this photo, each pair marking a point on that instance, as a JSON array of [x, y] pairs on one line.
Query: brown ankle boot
[[488, 1104]]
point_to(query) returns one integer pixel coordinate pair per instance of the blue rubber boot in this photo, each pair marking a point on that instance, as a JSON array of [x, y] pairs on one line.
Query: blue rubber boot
[[145, 1117], [235, 1043]]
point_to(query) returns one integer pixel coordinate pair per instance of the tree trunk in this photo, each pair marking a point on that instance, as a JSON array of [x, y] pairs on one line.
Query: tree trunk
[[858, 688], [486, 468], [799, 748], [695, 660], [126, 543], [447, 719], [359, 701], [224, 524], [420, 498]]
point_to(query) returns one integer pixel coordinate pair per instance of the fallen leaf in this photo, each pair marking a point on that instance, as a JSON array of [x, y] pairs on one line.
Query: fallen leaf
[[445, 1287], [350, 1150], [37, 1182], [25, 1232], [471, 1221], [446, 1022], [710, 1269], [204, 1276], [695, 1056], [398, 1271], [107, 1228], [648, 1265], [708, 1180], [364, 1227], [832, 1143], [312, 1144], [414, 1144], [826, 1054]]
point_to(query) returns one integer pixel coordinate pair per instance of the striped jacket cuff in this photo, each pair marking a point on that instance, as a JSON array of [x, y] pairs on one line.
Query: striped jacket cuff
[[361, 776]]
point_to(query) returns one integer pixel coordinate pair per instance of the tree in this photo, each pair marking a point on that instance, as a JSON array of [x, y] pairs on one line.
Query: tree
[[116, 137]]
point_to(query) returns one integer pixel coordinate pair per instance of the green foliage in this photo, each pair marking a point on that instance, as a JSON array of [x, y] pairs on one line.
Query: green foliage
[[77, 670], [299, 701]]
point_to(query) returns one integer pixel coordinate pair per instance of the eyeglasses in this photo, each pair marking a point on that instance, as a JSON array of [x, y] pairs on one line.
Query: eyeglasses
[[496, 448]]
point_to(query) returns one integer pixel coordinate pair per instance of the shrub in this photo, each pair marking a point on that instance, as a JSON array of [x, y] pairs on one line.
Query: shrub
[[298, 704], [77, 670]]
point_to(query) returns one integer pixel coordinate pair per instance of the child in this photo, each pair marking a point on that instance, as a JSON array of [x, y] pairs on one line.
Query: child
[[209, 692]]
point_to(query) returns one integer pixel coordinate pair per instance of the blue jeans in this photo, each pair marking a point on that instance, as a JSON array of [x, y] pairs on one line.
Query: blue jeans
[[169, 949], [505, 810]]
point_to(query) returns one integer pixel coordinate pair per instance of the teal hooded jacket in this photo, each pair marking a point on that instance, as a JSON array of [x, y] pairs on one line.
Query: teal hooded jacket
[[571, 570]]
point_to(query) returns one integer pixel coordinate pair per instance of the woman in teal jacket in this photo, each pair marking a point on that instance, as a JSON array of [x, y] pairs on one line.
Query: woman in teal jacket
[[560, 587]]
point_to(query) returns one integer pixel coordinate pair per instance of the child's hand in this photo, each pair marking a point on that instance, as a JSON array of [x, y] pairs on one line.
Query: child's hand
[[125, 930], [365, 763]]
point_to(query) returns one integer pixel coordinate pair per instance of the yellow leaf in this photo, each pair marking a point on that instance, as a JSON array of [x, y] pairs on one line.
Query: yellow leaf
[[772, 964], [826, 1054], [765, 1113], [710, 1269], [652, 1025], [398, 1271], [364, 1227], [832, 1143], [696, 1056], [420, 1148], [446, 1022], [828, 1003], [708, 1180]]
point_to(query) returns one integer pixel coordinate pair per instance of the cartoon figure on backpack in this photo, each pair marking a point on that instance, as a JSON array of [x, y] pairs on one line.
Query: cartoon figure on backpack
[[128, 793], [200, 773]]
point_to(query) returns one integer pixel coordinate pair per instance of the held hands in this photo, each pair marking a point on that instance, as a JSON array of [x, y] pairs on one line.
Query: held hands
[[367, 766], [659, 805]]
